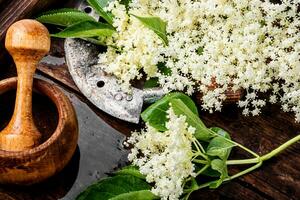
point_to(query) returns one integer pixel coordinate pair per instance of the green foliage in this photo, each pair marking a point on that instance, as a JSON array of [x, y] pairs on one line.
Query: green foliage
[[220, 166], [156, 114], [164, 69], [99, 5], [219, 146], [180, 108], [130, 170], [79, 24], [118, 188], [64, 17], [157, 25], [86, 29], [210, 156], [137, 195]]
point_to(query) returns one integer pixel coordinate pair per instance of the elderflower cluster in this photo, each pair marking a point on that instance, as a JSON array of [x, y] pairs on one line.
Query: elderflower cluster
[[165, 158], [240, 44]]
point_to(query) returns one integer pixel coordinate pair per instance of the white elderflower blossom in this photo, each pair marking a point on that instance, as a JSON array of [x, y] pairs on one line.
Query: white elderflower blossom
[[165, 158], [244, 44]]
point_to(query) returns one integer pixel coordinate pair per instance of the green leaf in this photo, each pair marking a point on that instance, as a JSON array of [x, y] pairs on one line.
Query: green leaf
[[138, 195], [157, 25], [164, 69], [218, 146], [95, 41], [98, 5], [110, 188], [202, 133], [131, 170], [151, 83], [220, 166], [64, 17], [86, 29], [211, 173], [156, 114], [101, 3]]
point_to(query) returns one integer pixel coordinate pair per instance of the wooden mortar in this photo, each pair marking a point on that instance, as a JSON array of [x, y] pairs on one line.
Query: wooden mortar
[[23, 160]]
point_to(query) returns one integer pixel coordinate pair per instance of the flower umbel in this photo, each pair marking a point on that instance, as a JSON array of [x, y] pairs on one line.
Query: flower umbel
[[243, 44], [165, 157]]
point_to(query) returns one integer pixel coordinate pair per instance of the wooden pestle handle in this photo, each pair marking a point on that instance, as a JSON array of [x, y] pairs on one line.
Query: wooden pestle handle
[[27, 41]]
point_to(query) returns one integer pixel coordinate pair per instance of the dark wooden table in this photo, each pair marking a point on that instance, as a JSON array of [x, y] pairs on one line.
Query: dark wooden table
[[100, 145]]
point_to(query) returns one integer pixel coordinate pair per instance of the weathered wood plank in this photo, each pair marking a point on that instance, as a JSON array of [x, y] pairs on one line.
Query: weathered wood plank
[[19, 9], [279, 178]]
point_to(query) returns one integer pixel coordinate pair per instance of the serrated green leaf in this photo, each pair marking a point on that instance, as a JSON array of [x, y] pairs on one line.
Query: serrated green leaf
[[218, 146], [157, 25], [156, 114], [64, 17], [131, 170], [112, 187], [99, 5], [220, 166], [202, 133], [86, 29]]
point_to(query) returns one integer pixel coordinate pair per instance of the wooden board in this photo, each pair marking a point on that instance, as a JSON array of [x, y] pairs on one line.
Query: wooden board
[[279, 178], [18, 9]]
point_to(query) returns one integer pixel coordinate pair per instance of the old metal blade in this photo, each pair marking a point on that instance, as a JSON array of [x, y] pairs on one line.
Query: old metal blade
[[100, 88]]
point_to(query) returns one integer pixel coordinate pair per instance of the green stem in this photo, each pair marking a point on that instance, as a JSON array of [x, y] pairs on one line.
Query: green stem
[[259, 161], [229, 178], [266, 156], [200, 146], [243, 161], [246, 171], [205, 162], [236, 144], [199, 152], [199, 172], [280, 148], [203, 169]]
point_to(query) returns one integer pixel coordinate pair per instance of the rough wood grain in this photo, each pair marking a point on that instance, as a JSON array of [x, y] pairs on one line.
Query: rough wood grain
[[37, 164], [279, 178], [19, 9], [99, 150]]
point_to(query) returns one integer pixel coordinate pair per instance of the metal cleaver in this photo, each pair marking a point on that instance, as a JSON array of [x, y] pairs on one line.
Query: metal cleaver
[[99, 87]]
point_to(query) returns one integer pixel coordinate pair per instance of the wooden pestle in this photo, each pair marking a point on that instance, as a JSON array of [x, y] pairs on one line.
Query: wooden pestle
[[27, 41]]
